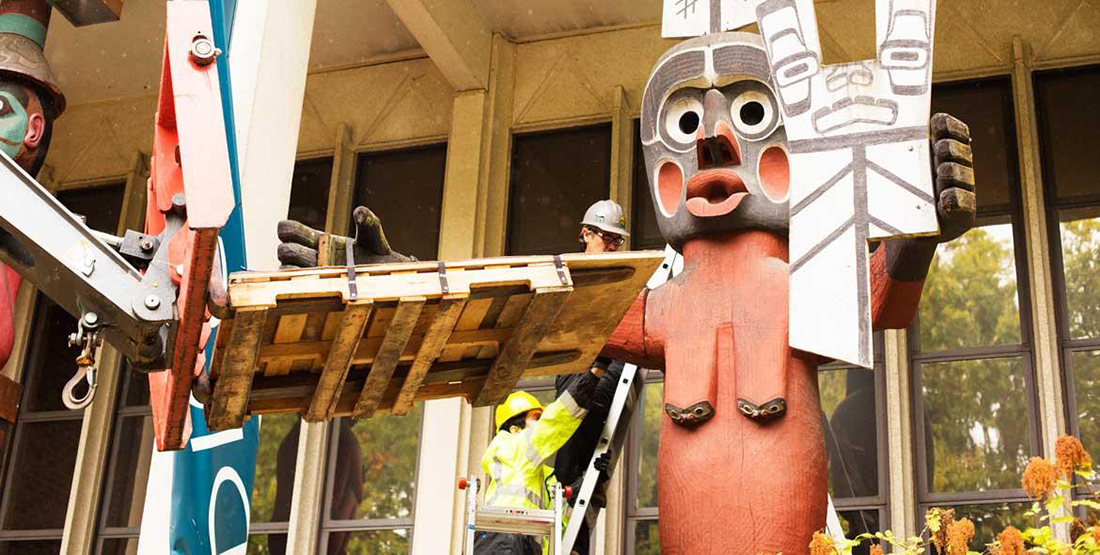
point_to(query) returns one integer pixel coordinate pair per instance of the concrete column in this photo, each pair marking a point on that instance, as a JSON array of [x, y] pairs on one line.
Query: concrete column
[[899, 426], [1044, 337], [622, 155], [307, 501], [496, 152], [91, 457]]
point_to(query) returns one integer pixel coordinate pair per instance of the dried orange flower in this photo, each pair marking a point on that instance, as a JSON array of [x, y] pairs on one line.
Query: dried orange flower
[[958, 536], [822, 545], [876, 549], [939, 537], [1012, 543], [1070, 455], [1039, 477]]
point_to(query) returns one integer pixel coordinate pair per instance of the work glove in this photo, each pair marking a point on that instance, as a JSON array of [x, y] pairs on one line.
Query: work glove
[[303, 247], [953, 175], [602, 463]]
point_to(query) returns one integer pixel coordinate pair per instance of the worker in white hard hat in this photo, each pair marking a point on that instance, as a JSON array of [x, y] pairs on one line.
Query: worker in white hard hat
[[603, 228], [527, 435]]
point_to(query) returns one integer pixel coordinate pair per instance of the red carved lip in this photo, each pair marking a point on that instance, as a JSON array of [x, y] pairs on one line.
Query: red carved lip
[[715, 192]]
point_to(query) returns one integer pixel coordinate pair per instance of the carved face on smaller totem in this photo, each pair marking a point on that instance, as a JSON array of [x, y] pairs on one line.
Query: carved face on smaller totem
[[29, 101], [714, 142]]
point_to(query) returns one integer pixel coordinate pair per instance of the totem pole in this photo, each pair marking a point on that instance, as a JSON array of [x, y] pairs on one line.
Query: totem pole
[[30, 100], [742, 462]]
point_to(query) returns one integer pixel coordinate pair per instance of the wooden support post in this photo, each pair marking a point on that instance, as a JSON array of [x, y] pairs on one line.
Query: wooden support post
[[385, 362], [342, 182], [516, 354], [227, 408], [335, 371], [430, 348]]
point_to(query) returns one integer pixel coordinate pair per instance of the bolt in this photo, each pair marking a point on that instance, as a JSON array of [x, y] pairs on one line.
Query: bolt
[[152, 302], [179, 269], [91, 318], [203, 51], [178, 201], [146, 245]]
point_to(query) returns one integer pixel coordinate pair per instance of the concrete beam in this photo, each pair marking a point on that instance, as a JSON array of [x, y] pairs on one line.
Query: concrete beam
[[454, 35]]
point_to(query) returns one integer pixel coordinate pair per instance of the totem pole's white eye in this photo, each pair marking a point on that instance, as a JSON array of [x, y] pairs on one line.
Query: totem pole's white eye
[[753, 114], [683, 116]]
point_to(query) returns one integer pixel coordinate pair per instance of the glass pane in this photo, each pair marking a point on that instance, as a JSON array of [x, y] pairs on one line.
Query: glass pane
[[137, 387], [970, 296], [859, 522], [985, 106], [52, 361], [405, 189], [652, 410], [556, 176], [41, 474], [646, 538], [848, 406], [119, 546], [990, 520], [309, 192], [1085, 368], [372, 542], [276, 457], [1069, 120], [43, 547], [644, 231], [1080, 233], [130, 474], [375, 466], [976, 424], [266, 544], [100, 206]]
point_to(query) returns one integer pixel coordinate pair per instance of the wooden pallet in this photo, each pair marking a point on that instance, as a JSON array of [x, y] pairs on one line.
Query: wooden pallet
[[299, 343]]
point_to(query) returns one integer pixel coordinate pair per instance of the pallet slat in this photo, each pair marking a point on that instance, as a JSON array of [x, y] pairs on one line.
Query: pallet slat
[[336, 367], [227, 409], [289, 330], [537, 319], [436, 337], [385, 362]]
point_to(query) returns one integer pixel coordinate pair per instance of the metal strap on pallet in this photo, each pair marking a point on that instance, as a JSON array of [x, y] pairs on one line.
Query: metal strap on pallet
[[353, 288], [443, 286], [560, 267]]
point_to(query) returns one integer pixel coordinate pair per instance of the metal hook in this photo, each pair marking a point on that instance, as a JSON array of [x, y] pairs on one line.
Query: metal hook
[[76, 403]]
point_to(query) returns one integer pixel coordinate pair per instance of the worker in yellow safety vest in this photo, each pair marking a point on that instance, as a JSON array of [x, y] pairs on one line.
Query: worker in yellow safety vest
[[528, 435]]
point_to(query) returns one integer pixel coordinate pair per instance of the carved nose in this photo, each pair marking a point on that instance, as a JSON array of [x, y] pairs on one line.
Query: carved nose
[[715, 144]]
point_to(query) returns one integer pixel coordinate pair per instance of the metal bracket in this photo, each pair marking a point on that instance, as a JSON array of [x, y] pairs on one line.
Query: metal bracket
[[443, 285], [353, 287], [560, 267]]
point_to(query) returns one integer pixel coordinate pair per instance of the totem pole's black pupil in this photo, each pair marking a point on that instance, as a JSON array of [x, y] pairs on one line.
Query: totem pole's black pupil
[[689, 122], [752, 113]]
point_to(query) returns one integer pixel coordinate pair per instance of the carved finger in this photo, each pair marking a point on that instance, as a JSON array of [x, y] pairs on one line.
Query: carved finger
[[371, 236], [950, 174], [297, 255], [289, 267], [945, 126], [290, 231], [955, 202], [950, 150]]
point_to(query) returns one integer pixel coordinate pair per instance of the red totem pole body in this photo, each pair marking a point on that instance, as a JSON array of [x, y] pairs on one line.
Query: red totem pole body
[[742, 463]]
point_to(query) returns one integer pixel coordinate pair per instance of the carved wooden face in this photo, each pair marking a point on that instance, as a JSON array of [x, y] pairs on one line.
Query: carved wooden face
[[23, 123], [713, 137]]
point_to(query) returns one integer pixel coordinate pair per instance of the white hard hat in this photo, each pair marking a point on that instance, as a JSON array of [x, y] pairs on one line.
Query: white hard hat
[[608, 216]]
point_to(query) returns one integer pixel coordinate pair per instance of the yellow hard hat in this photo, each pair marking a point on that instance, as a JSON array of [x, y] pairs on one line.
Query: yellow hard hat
[[516, 403]]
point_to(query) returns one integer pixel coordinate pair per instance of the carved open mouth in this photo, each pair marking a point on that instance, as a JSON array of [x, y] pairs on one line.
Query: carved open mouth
[[715, 192]]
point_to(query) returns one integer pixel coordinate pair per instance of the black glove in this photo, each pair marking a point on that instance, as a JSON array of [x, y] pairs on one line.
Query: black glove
[[300, 243], [601, 464]]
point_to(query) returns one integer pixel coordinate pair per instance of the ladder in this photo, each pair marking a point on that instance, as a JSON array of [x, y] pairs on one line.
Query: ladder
[[532, 522]]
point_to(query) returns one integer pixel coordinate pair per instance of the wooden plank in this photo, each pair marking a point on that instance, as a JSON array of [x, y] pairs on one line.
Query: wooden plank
[[225, 331], [434, 340], [339, 360], [537, 320], [369, 346], [227, 409], [289, 330], [381, 370], [470, 319]]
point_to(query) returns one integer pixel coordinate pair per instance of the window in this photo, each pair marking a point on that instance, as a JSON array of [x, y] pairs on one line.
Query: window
[[970, 347], [405, 189], [309, 192], [644, 230], [641, 487], [1068, 126], [853, 411], [127, 475], [556, 176], [39, 468]]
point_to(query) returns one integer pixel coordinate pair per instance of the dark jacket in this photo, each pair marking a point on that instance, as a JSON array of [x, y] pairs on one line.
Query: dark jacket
[[573, 458]]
